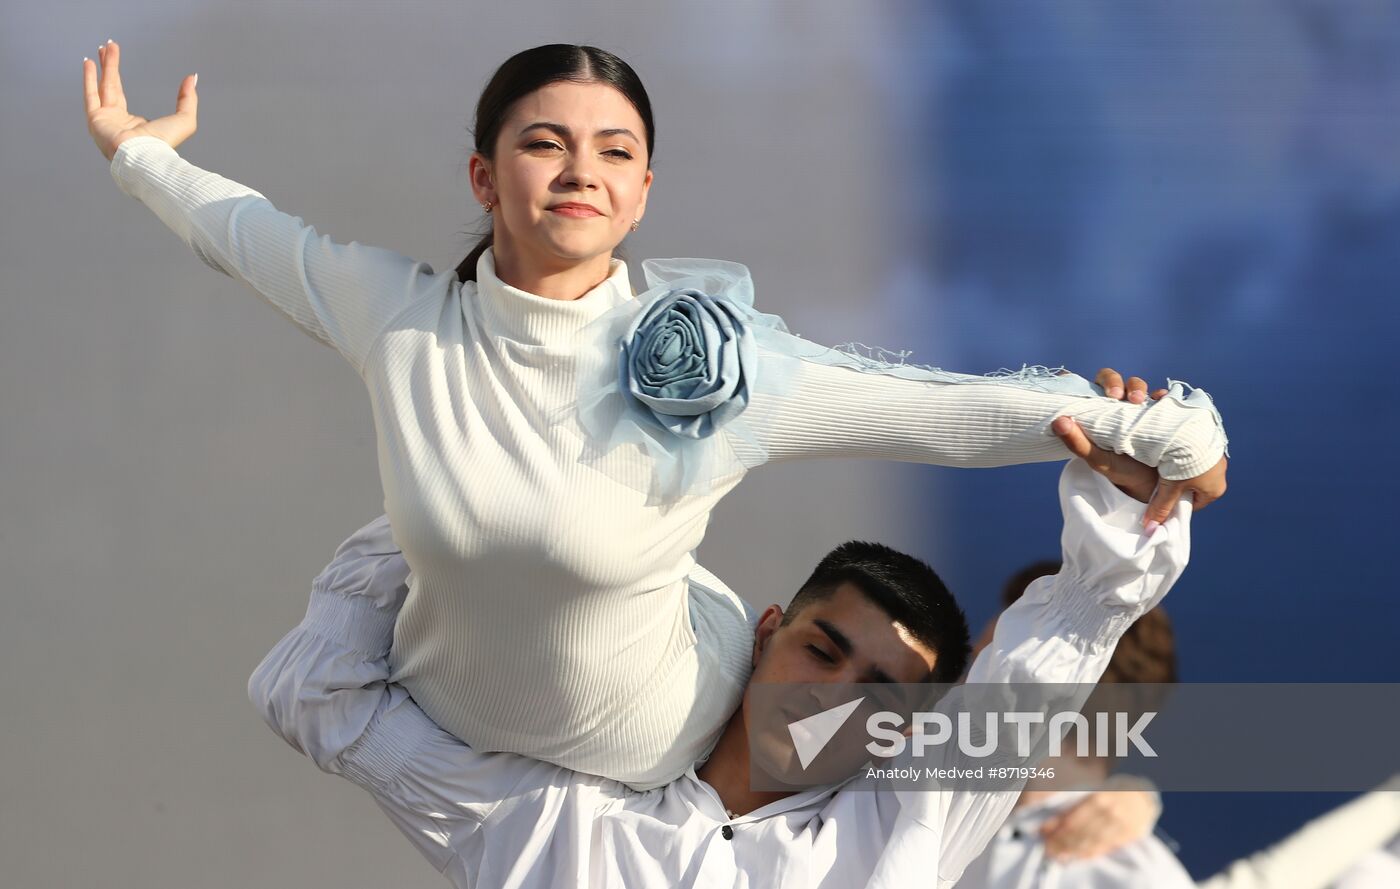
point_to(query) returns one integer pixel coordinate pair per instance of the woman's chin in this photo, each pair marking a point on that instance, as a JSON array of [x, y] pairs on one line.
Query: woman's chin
[[577, 252]]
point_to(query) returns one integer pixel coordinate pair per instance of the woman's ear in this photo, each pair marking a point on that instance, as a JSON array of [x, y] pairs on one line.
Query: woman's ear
[[483, 183], [646, 190]]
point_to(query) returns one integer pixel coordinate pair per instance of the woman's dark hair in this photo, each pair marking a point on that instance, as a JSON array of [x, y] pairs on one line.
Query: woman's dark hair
[[527, 71]]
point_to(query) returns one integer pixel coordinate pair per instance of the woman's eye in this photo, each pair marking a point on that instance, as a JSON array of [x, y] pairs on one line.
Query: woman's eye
[[821, 654], [544, 144], [619, 153]]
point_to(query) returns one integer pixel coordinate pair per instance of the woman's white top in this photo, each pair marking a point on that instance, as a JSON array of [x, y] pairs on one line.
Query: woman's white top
[[500, 821], [549, 612]]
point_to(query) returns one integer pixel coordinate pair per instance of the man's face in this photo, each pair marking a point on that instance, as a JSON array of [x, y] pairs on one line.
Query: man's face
[[843, 639]]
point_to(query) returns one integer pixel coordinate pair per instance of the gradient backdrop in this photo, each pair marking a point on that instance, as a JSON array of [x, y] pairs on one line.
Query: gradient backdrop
[[1205, 190]]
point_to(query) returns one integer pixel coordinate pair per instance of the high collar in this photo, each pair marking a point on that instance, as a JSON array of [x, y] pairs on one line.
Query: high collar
[[531, 319]]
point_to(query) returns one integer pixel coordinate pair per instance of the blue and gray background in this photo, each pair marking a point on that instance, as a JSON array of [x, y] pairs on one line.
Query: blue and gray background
[[1203, 190]]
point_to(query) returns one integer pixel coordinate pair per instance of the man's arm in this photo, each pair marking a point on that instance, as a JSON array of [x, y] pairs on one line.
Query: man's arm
[[1060, 634], [324, 689]]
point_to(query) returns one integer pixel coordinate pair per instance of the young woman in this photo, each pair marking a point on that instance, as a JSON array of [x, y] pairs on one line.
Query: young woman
[[551, 445]]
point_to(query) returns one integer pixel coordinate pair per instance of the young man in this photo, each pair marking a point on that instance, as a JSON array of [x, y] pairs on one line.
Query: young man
[[501, 820]]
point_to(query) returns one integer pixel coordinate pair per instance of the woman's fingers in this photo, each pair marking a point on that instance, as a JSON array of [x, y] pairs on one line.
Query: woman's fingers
[[111, 84], [110, 123], [90, 97], [176, 128], [186, 101]]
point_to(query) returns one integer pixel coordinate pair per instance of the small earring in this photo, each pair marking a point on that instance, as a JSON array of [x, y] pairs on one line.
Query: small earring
[[487, 206], [636, 224]]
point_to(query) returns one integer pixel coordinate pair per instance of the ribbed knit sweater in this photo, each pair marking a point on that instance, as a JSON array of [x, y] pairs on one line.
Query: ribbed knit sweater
[[550, 611]]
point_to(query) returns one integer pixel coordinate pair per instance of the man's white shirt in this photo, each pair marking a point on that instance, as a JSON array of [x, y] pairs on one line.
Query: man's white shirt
[[502, 821], [1016, 859]]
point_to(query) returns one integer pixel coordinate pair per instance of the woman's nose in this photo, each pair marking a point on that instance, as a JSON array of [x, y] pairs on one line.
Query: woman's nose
[[578, 174]]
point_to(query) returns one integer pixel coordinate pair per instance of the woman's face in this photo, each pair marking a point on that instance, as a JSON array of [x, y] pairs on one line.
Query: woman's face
[[566, 143]]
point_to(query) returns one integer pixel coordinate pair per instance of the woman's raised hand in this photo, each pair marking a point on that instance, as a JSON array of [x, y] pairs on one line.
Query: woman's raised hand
[[111, 124], [1204, 489]]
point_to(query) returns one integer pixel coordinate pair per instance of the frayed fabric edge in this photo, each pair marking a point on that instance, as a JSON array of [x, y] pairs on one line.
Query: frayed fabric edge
[[875, 359], [1187, 395], [879, 359]]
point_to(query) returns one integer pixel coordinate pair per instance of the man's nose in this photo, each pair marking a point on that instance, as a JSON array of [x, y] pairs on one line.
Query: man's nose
[[836, 689]]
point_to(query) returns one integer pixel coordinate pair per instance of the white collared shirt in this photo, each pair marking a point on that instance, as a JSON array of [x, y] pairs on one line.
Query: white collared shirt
[[502, 821]]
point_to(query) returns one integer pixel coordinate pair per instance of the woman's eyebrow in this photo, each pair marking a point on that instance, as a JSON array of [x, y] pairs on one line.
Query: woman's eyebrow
[[560, 129]]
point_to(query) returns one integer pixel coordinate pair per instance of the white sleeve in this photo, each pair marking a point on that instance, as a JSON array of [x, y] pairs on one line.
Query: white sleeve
[[1060, 634], [324, 689], [834, 411], [1322, 850], [342, 294]]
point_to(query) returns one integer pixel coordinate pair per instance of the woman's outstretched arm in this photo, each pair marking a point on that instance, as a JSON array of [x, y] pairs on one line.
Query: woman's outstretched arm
[[825, 410], [341, 294]]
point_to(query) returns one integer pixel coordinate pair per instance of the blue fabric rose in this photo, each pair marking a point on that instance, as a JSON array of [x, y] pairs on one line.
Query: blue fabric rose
[[688, 361], [664, 381]]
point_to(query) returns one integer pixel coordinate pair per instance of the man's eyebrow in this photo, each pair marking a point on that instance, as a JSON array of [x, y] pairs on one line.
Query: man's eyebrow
[[560, 130], [838, 638], [843, 642]]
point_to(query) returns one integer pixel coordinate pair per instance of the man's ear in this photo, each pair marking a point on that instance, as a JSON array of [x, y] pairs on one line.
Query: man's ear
[[768, 624]]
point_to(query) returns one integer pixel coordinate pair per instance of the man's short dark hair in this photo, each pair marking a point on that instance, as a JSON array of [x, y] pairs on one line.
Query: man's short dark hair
[[907, 589]]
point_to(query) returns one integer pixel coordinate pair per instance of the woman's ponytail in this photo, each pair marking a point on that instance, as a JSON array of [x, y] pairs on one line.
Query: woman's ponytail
[[467, 270]]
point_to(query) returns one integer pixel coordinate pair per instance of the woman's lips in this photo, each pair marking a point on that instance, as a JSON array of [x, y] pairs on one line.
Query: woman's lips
[[578, 212]]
